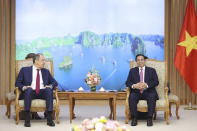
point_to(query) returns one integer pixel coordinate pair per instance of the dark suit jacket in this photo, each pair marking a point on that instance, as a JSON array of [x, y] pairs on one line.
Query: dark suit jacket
[[25, 77], [150, 78]]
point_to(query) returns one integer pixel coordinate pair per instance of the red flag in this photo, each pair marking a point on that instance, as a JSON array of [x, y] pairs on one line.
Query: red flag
[[186, 49]]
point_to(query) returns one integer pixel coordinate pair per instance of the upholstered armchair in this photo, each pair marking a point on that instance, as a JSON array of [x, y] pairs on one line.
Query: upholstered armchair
[[162, 104], [37, 105]]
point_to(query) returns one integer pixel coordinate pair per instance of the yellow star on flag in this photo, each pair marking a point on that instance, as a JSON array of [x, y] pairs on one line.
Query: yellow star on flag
[[189, 42]]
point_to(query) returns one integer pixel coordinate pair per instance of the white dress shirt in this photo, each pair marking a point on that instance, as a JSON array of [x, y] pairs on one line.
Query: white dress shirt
[[143, 69], [34, 75]]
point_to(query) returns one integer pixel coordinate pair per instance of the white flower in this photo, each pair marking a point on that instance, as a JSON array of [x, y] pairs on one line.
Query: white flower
[[95, 79], [89, 82], [98, 126], [88, 75], [102, 117], [94, 120], [124, 128]]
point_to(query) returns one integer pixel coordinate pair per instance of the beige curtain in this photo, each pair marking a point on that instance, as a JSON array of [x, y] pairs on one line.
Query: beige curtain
[[174, 13], [7, 47]]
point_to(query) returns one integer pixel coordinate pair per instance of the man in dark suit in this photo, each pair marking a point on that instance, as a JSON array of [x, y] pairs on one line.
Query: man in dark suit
[[36, 82], [142, 81]]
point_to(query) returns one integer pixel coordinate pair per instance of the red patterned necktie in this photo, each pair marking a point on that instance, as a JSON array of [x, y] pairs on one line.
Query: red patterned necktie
[[141, 78], [38, 82]]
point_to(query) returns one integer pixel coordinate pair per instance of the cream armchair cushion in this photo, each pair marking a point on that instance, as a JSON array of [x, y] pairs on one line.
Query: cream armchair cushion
[[36, 103], [173, 97], [11, 96]]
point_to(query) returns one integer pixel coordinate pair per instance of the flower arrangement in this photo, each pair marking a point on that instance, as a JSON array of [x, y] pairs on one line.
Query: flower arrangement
[[93, 79], [99, 124]]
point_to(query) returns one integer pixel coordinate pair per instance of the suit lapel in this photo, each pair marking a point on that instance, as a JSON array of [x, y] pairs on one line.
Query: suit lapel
[[146, 74], [137, 74], [43, 76], [30, 71]]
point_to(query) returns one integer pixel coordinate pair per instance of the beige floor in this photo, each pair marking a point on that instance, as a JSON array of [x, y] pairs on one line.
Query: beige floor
[[187, 122]]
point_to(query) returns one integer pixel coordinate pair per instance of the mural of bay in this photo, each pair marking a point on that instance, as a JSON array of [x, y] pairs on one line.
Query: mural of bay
[[76, 51]]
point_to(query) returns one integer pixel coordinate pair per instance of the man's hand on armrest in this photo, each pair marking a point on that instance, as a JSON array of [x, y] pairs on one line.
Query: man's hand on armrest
[[25, 87], [49, 86]]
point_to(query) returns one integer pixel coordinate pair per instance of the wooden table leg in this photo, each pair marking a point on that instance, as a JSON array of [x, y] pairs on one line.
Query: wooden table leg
[[71, 107], [111, 107], [114, 108]]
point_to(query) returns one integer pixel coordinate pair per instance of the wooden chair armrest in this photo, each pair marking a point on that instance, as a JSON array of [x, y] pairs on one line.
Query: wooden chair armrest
[[56, 96], [128, 93], [127, 111], [166, 94], [17, 96]]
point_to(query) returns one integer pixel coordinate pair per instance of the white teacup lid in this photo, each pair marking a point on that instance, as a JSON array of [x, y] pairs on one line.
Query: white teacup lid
[[102, 89], [81, 88]]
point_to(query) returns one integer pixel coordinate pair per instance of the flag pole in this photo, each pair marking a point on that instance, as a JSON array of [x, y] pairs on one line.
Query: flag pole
[[189, 107]]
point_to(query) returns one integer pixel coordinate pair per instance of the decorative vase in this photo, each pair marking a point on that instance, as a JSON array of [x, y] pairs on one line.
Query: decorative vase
[[93, 88]]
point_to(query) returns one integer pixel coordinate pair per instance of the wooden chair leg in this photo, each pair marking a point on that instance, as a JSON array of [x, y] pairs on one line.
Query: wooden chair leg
[[155, 115], [8, 112], [6, 102], [17, 116], [74, 116], [166, 117], [111, 108], [177, 109], [170, 105], [127, 114], [57, 115], [53, 115]]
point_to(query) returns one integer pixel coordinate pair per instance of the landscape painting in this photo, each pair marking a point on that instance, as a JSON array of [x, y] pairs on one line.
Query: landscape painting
[[101, 35]]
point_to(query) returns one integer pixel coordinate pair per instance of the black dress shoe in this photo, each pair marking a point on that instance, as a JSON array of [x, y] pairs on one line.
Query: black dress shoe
[[27, 124], [27, 119], [149, 122], [50, 123], [134, 122], [49, 119]]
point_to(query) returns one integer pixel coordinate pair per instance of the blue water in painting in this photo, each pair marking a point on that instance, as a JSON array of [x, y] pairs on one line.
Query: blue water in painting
[[112, 64]]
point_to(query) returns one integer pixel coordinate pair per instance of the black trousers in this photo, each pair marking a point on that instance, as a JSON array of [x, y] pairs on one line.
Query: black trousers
[[134, 99], [46, 94]]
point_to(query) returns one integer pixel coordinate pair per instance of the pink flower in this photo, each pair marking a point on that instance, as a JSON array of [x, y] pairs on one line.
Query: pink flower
[[85, 121]]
